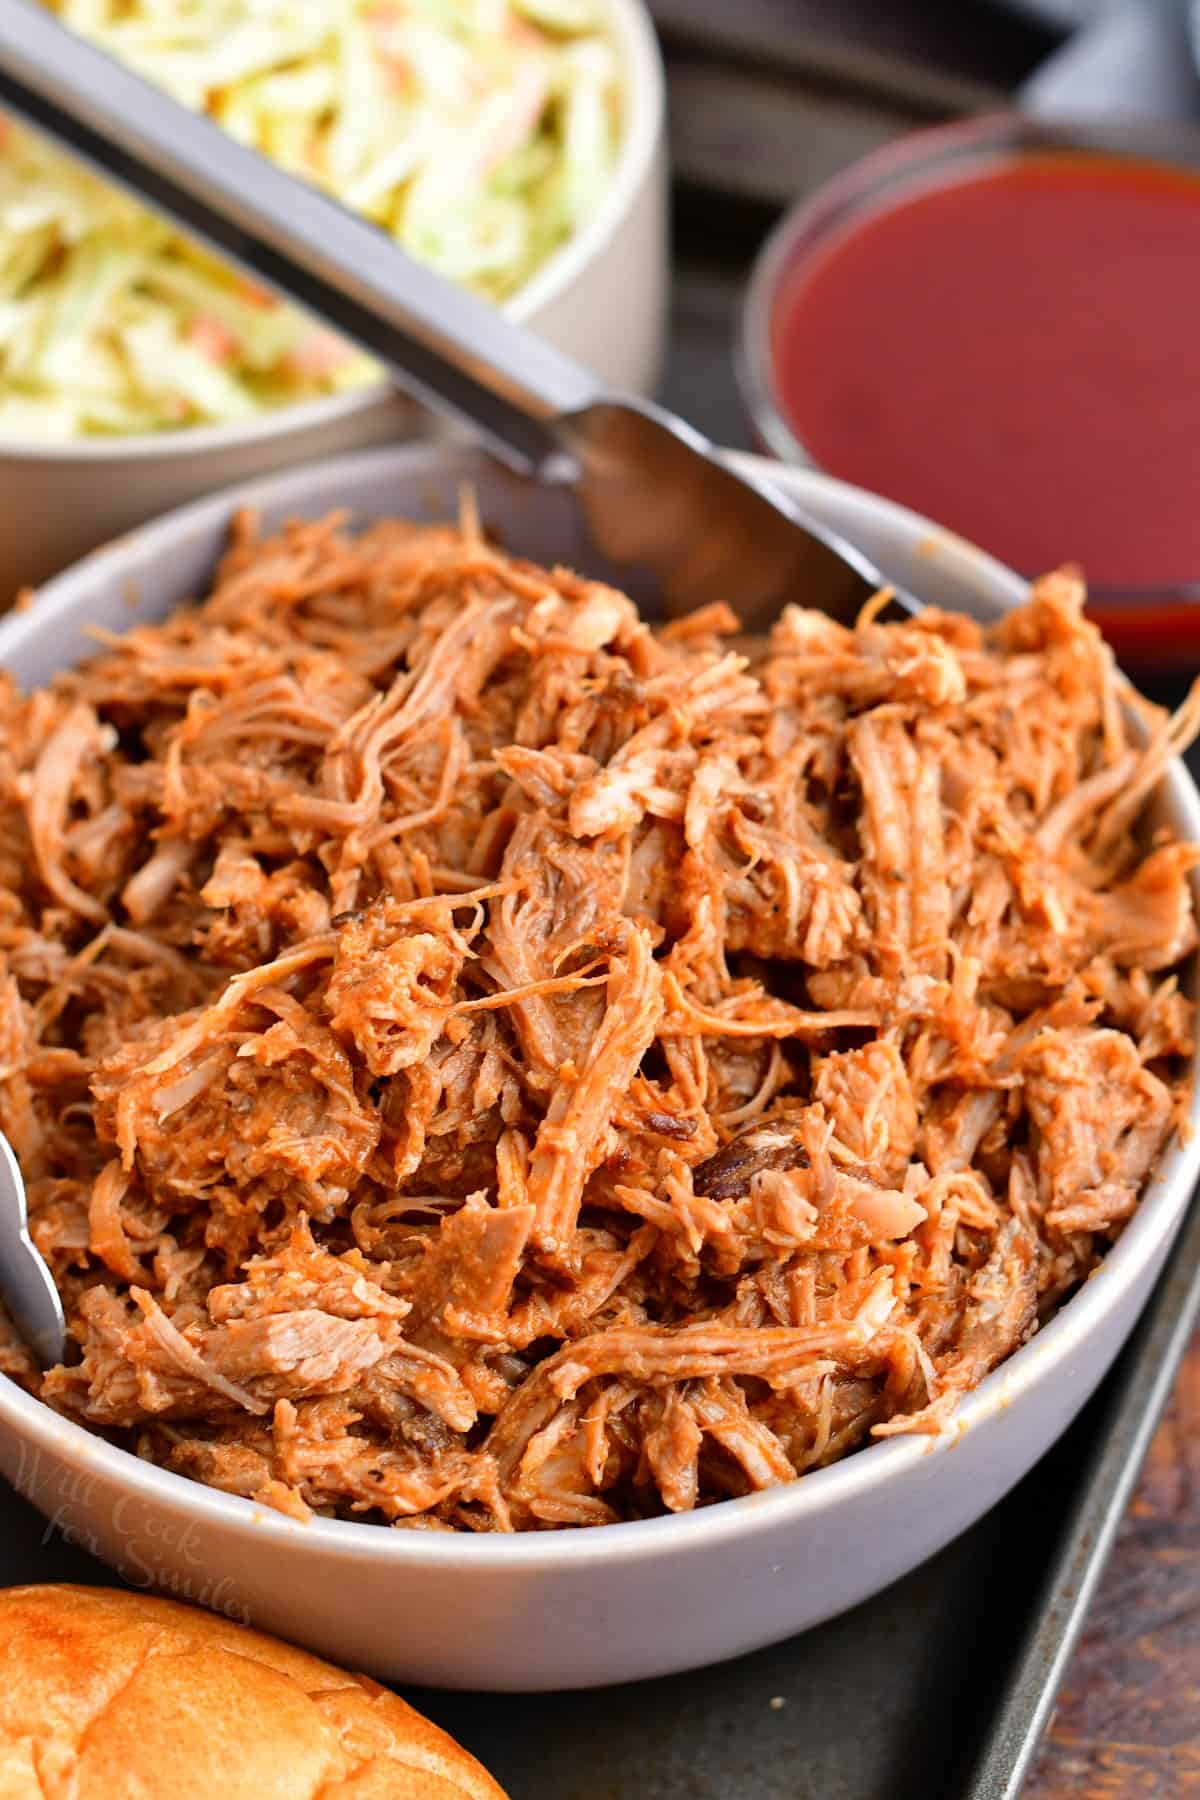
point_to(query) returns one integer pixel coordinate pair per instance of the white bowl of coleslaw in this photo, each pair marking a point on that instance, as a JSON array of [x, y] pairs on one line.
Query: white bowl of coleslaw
[[570, 1608], [586, 271]]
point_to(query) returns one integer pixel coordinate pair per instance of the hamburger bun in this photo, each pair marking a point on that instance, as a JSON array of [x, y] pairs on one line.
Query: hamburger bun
[[106, 1695]]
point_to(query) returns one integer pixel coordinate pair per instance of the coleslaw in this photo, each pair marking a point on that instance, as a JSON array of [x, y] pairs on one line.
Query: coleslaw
[[480, 134]]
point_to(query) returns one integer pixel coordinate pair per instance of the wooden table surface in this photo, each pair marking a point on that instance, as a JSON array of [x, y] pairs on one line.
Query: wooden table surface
[[1128, 1720]]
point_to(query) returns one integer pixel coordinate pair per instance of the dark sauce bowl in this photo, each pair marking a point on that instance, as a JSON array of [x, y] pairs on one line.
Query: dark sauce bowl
[[1151, 614]]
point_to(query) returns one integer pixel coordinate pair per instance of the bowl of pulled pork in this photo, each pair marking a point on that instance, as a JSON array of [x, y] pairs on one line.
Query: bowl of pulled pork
[[571, 1146]]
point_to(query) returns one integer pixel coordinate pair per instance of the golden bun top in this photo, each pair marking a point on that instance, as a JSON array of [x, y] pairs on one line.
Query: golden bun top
[[106, 1695]]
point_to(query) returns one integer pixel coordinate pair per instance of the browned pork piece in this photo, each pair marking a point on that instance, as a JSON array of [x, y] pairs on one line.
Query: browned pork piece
[[479, 1062]]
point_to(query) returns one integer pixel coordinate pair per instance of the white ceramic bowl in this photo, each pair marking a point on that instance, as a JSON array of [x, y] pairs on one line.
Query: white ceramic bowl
[[566, 1608], [601, 298]]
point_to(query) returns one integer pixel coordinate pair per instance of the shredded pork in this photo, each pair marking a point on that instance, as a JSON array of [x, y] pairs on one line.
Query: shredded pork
[[479, 1062]]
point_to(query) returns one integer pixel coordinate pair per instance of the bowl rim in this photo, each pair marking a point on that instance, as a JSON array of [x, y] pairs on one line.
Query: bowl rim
[[1148, 1235], [643, 85], [892, 174]]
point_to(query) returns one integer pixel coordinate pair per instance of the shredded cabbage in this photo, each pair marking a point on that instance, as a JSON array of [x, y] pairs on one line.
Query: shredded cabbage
[[480, 134]]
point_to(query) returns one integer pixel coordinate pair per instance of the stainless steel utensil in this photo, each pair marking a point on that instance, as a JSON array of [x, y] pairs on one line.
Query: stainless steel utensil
[[26, 1284], [666, 513]]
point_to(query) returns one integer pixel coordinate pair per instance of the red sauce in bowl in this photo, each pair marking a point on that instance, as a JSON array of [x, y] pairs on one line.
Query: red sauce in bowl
[[1017, 354]]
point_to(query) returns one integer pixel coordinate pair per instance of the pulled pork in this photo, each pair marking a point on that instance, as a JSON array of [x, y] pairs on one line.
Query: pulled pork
[[479, 1062]]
